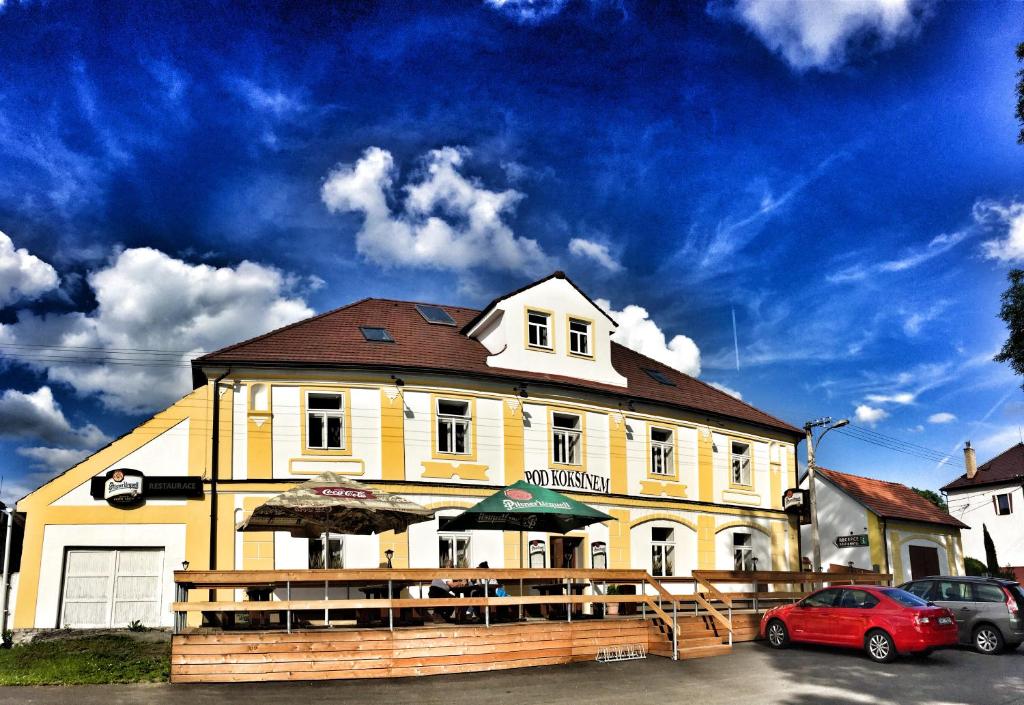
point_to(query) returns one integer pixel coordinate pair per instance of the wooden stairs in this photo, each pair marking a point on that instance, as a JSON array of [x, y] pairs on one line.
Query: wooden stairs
[[700, 636]]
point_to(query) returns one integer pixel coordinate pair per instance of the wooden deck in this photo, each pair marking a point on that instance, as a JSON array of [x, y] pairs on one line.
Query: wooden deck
[[380, 653], [346, 653]]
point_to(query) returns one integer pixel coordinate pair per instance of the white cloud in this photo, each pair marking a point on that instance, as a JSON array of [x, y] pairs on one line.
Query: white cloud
[[595, 251], [447, 221], [265, 100], [22, 274], [938, 245], [825, 35], [638, 332], [996, 442], [528, 10], [898, 398], [870, 415], [728, 390], [149, 301], [52, 459], [942, 417], [38, 416], [1009, 219]]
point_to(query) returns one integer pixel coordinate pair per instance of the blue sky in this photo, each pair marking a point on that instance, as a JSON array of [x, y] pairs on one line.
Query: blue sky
[[843, 178]]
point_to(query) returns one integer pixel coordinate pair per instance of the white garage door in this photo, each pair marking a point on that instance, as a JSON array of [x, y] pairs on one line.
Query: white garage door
[[111, 587]]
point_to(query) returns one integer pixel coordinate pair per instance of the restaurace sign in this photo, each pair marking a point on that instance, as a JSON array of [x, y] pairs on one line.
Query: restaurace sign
[[126, 488], [567, 480]]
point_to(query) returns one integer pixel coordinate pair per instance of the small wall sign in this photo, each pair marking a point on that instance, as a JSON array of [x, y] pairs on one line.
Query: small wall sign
[[852, 541], [124, 487]]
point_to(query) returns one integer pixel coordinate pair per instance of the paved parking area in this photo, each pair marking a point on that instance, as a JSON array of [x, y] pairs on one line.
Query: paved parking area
[[752, 674]]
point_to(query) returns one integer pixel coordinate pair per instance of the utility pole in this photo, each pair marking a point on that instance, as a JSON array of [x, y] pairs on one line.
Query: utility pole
[[5, 584], [809, 430]]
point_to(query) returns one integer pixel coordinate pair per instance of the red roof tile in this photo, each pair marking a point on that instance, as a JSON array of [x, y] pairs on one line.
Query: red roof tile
[[890, 500], [333, 339], [1008, 466]]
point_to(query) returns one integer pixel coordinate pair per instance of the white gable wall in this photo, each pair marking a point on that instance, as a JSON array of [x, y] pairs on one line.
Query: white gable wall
[[562, 300]]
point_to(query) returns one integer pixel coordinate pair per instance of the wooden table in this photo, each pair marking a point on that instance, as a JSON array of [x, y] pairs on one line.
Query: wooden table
[[560, 588], [405, 616]]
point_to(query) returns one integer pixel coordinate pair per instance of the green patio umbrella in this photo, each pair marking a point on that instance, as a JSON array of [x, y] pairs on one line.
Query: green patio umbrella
[[526, 507]]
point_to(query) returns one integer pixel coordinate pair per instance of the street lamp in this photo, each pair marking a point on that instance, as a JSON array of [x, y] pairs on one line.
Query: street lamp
[[826, 423], [388, 554]]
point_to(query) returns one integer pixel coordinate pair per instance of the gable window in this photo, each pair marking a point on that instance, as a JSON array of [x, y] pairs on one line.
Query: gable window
[[662, 456], [741, 464], [539, 329], [579, 337], [335, 552], [454, 426], [1003, 503], [663, 551], [742, 551], [566, 438], [325, 421]]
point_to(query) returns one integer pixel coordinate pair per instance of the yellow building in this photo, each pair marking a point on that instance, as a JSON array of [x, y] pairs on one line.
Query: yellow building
[[440, 404]]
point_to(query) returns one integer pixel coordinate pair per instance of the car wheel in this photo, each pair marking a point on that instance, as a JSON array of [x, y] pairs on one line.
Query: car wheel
[[777, 634], [879, 646], [987, 640]]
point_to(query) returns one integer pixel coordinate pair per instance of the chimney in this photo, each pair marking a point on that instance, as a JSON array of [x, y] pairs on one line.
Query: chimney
[[969, 461]]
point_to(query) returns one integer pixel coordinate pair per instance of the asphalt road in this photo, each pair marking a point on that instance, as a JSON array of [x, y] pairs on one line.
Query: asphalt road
[[753, 673]]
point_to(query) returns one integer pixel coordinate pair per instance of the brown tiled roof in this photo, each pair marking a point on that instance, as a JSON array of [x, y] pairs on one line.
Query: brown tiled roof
[[1008, 466], [890, 500], [333, 339]]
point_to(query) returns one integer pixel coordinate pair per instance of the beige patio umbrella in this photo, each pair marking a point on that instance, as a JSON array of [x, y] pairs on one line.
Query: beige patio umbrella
[[331, 503]]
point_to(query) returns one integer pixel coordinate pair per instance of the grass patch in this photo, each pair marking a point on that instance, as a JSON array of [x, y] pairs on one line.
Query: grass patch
[[100, 659]]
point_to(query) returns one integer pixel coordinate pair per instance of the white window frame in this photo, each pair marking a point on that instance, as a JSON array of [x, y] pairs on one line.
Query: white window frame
[[338, 539], [662, 548], [562, 437], [454, 539], [577, 337], [325, 414], [536, 329], [449, 422], [743, 553], [1009, 503], [741, 462], [663, 460]]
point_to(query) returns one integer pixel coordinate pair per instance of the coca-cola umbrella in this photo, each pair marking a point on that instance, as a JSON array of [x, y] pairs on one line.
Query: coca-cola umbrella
[[330, 503]]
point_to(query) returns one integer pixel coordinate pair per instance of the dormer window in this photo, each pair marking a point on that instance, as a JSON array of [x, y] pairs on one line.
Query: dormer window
[[538, 329], [579, 337]]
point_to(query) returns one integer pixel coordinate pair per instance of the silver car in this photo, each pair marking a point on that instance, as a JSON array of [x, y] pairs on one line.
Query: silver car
[[989, 611]]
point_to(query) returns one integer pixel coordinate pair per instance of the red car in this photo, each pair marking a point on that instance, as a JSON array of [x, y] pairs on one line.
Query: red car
[[883, 621]]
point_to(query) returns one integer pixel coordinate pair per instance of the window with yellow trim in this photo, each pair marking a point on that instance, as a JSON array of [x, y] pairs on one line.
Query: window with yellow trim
[[663, 459], [325, 420], [538, 326], [741, 464], [454, 427], [579, 337], [566, 438]]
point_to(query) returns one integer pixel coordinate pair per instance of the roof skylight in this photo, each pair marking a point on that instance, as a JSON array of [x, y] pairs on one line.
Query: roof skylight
[[435, 314], [659, 377], [376, 335]]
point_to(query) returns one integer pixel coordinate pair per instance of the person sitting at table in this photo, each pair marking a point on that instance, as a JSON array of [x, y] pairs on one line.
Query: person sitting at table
[[441, 588]]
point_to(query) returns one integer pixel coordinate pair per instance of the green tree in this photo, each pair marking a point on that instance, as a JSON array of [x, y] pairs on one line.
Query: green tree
[[1012, 313], [1020, 94], [991, 560], [933, 497]]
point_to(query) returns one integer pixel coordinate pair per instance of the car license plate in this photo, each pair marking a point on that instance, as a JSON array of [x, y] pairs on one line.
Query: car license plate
[[945, 620]]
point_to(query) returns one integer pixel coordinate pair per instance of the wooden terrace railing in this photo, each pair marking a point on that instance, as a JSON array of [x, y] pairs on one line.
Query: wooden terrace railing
[[651, 592]]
